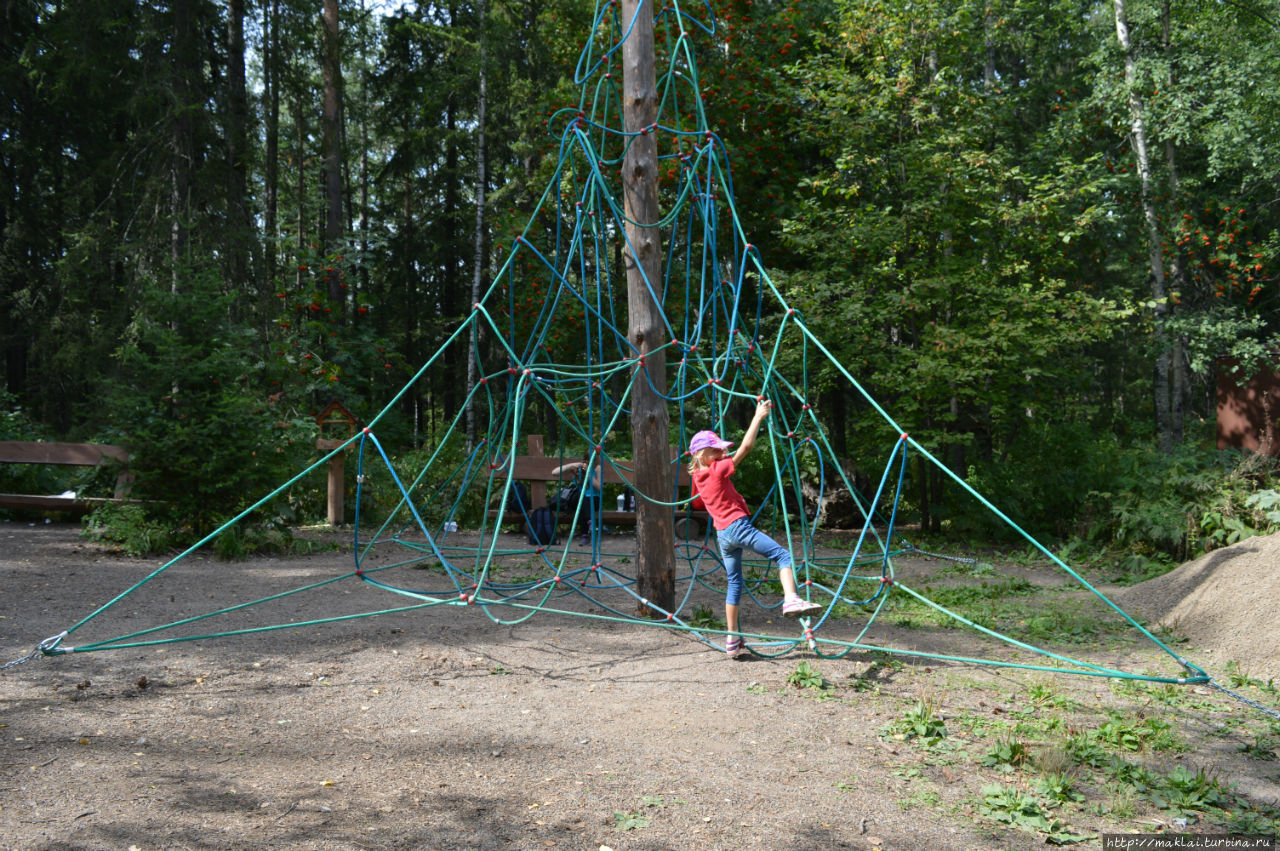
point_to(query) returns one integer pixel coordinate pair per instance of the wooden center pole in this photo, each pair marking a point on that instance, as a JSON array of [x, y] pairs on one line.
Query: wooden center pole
[[650, 420]]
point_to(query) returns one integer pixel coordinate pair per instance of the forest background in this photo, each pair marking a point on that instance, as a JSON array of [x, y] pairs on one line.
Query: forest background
[[1034, 229]]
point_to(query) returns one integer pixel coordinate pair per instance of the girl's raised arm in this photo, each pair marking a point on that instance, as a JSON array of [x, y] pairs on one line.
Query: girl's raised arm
[[749, 439]]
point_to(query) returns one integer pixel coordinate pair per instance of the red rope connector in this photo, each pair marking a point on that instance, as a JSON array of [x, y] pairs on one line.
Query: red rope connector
[[791, 311], [904, 436], [540, 550], [886, 580], [367, 430], [670, 616]]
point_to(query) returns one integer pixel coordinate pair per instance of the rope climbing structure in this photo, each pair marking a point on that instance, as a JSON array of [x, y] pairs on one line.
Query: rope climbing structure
[[549, 335]]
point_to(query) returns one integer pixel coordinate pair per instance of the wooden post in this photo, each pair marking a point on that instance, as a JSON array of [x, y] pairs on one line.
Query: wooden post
[[650, 420], [337, 471], [335, 415], [537, 489]]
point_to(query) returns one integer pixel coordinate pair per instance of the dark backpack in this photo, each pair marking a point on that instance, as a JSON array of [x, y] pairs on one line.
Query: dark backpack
[[519, 500], [566, 499], [542, 527]]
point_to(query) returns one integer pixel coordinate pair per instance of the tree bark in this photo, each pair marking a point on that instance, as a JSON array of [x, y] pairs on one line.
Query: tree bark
[[181, 138], [650, 419], [478, 271], [1180, 392], [300, 187], [363, 222], [271, 130], [332, 127], [1138, 137], [239, 248]]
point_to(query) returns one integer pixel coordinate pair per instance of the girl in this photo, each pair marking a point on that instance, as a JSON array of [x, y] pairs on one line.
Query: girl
[[711, 470]]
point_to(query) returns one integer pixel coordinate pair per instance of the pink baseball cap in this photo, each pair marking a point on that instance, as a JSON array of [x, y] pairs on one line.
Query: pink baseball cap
[[707, 440]]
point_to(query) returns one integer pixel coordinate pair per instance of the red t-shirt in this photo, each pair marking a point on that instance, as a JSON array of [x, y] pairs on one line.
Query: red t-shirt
[[724, 503]]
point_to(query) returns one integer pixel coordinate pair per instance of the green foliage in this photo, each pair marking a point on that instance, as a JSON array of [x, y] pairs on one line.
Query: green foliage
[[705, 618], [263, 537], [1237, 678], [206, 443], [1264, 821], [1060, 788], [1188, 792], [921, 722], [624, 821], [1083, 750], [129, 528], [1041, 694], [1183, 503], [806, 676], [1147, 733], [1018, 809], [15, 422], [1007, 754], [1131, 774]]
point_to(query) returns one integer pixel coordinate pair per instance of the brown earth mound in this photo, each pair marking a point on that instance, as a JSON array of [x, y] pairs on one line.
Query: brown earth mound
[[1224, 603]]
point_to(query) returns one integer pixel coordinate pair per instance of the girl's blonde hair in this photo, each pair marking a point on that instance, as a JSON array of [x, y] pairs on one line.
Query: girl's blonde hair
[[699, 460]]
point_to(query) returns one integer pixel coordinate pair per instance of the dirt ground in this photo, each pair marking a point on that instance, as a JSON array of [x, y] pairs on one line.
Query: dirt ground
[[442, 729]]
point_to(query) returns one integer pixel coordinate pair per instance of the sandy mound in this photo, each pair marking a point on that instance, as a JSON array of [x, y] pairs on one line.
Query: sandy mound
[[1224, 603]]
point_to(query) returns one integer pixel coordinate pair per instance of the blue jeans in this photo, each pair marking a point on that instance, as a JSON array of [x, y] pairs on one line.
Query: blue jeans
[[741, 534]]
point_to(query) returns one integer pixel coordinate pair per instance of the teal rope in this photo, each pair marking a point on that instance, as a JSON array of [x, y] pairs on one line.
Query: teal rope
[[722, 350]]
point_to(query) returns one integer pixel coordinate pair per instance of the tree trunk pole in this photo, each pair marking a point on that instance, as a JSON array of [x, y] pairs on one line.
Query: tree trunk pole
[[482, 179], [332, 121], [650, 419], [1159, 295]]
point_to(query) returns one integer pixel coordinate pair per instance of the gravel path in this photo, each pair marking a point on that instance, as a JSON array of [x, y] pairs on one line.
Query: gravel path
[[441, 729]]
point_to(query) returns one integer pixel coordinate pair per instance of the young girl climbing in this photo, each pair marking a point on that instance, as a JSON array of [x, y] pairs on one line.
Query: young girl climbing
[[711, 470]]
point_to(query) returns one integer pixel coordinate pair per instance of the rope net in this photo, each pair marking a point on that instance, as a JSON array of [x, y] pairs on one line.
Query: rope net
[[556, 316]]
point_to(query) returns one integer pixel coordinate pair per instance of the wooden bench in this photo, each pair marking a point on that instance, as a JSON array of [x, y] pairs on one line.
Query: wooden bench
[[63, 454], [537, 470]]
